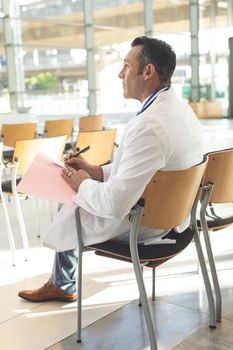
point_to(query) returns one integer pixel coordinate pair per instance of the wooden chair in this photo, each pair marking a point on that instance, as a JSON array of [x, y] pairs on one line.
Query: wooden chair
[[59, 127], [216, 210], [6, 217], [24, 152], [167, 201], [10, 133], [101, 145], [91, 123]]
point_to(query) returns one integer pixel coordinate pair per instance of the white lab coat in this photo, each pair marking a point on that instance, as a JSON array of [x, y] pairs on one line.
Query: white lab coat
[[166, 136]]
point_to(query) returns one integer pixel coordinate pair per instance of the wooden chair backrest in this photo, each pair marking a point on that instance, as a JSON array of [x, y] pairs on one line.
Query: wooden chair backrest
[[170, 195], [10, 133], [59, 127], [219, 172], [26, 150], [102, 145], [91, 123]]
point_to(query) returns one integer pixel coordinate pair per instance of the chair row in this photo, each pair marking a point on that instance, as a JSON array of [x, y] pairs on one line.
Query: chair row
[[27, 131], [167, 201], [101, 150]]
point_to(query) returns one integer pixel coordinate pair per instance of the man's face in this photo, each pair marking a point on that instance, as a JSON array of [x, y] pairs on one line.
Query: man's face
[[133, 83]]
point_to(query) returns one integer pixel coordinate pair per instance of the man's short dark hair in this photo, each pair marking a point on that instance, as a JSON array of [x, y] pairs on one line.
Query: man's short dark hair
[[159, 53]]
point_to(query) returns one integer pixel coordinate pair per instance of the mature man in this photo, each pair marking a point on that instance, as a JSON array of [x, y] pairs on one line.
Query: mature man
[[164, 135]]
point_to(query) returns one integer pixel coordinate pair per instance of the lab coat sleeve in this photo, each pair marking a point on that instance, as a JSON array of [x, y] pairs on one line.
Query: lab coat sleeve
[[106, 171], [143, 153]]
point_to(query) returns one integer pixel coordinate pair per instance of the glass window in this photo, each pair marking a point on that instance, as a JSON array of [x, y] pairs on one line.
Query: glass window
[[54, 57], [116, 24], [213, 47], [50, 41], [171, 24], [4, 93]]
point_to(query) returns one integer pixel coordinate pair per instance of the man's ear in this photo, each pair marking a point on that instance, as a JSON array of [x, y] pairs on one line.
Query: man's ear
[[149, 71]]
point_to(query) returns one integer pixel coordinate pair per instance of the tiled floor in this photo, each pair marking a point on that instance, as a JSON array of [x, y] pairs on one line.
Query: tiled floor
[[180, 311], [111, 318]]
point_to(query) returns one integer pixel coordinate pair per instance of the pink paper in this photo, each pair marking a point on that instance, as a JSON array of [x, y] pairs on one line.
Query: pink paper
[[43, 179]]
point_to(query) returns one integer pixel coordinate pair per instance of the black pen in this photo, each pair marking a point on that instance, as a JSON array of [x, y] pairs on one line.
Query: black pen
[[81, 151], [85, 149]]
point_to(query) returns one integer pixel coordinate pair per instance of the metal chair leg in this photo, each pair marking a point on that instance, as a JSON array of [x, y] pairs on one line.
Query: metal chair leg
[[139, 299], [213, 271], [139, 278], [209, 251], [19, 211], [206, 281], [79, 278], [21, 226], [9, 231], [202, 262], [153, 283], [37, 214], [79, 298], [7, 221]]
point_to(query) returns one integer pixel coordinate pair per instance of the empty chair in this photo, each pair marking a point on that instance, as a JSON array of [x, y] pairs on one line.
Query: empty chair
[[10, 133], [59, 127], [167, 201], [24, 152], [91, 123], [216, 206], [101, 145]]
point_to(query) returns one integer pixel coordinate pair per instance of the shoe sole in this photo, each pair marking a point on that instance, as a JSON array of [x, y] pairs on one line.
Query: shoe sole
[[52, 299]]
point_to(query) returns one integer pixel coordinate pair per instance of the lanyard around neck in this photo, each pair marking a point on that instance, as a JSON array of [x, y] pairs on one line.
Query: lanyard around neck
[[150, 99]]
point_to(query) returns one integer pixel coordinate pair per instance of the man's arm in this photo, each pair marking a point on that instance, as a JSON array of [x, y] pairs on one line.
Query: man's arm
[[142, 155]]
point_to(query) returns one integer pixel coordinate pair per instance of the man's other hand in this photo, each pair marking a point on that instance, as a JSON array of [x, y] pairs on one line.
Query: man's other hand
[[94, 171], [74, 177]]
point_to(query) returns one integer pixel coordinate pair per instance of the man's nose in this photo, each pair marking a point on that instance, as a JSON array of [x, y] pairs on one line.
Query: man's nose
[[120, 75]]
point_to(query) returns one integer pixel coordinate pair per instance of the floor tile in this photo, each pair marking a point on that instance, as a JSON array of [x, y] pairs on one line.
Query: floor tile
[[204, 339]]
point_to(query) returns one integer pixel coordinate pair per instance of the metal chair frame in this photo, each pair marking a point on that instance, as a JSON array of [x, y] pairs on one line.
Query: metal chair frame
[[5, 212], [136, 216]]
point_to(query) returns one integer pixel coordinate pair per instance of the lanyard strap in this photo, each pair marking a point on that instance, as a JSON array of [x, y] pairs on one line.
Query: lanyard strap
[[152, 98]]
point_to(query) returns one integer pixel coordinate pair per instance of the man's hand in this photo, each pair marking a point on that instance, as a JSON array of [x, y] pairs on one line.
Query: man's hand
[[94, 171], [74, 177]]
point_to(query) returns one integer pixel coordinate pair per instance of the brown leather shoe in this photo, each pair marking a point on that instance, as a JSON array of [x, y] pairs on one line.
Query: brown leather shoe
[[47, 292]]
